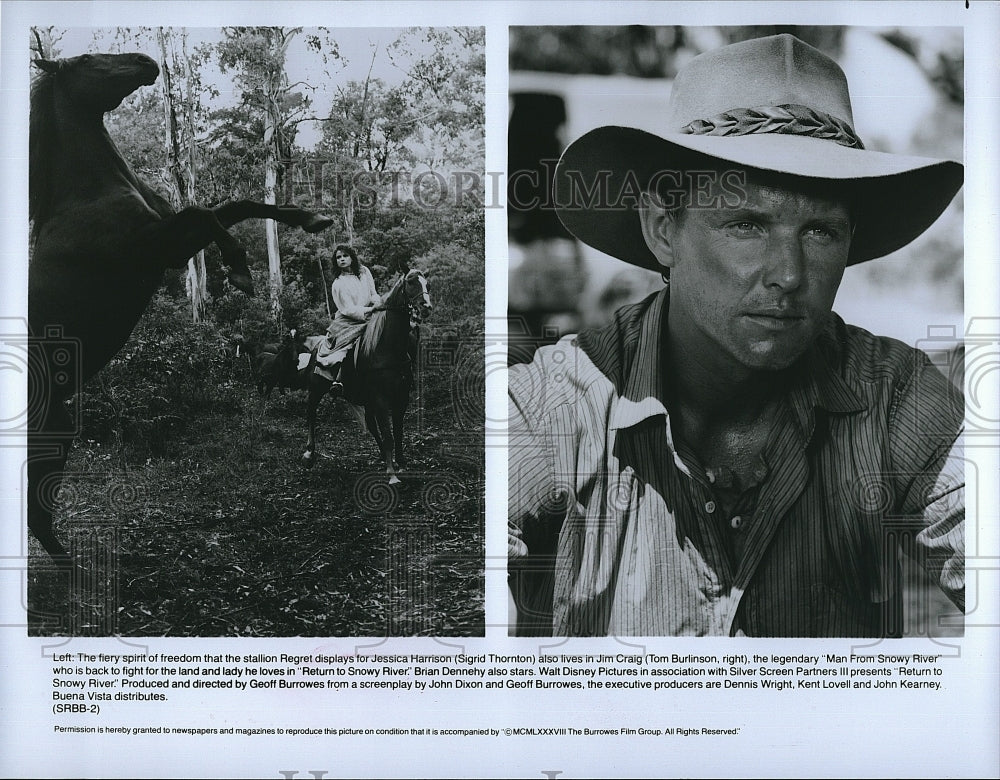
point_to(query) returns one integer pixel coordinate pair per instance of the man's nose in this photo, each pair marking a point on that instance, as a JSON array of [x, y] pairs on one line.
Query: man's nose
[[786, 262]]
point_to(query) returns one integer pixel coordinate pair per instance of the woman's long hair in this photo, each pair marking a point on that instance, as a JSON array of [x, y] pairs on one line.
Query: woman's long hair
[[355, 263]]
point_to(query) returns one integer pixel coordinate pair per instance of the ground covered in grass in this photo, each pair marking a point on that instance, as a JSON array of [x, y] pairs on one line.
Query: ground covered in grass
[[216, 529]]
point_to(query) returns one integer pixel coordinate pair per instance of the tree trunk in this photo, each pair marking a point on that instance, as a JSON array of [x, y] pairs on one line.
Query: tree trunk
[[356, 150], [274, 89], [197, 276], [270, 226], [326, 287], [266, 87], [349, 215], [180, 168], [175, 178]]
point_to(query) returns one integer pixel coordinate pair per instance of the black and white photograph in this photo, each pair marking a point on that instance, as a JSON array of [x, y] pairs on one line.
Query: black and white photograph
[[736, 313], [256, 310], [304, 304]]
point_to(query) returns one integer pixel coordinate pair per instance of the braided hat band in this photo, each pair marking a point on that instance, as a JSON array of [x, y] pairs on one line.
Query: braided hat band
[[788, 118]]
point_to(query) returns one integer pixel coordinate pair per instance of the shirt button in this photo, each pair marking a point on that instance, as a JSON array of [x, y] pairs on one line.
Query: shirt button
[[710, 507], [736, 522]]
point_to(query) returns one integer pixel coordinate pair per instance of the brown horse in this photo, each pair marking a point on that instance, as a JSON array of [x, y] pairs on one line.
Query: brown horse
[[379, 381], [102, 241]]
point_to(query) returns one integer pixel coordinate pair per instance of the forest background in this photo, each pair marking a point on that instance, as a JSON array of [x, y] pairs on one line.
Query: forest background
[[221, 530]]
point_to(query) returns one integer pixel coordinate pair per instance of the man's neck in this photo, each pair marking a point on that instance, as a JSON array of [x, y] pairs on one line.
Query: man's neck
[[724, 414], [717, 391]]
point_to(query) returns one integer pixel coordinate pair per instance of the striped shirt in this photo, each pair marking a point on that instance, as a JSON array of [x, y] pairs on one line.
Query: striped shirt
[[612, 530]]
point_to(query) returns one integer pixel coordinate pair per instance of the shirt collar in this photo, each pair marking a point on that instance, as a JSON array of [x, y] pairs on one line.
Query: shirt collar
[[818, 383], [642, 397]]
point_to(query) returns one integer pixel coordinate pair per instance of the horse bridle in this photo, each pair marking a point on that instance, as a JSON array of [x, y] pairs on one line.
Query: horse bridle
[[415, 305]]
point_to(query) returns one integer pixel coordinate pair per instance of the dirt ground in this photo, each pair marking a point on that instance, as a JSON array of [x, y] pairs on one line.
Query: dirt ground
[[225, 533]]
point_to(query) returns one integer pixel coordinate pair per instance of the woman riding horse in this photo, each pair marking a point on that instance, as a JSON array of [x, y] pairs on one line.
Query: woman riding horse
[[381, 380], [354, 294]]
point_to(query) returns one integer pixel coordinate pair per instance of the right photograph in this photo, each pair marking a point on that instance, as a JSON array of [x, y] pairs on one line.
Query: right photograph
[[735, 318]]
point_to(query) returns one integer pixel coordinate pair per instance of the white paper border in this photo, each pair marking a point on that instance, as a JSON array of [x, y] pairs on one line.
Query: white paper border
[[954, 734]]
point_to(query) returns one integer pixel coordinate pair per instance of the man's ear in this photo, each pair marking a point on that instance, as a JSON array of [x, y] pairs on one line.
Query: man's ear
[[657, 229]]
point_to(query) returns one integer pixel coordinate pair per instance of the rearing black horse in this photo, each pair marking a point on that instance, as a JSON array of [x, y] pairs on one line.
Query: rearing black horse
[[102, 241], [381, 378]]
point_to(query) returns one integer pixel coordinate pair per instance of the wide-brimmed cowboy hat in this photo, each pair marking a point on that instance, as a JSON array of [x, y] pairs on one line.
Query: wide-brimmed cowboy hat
[[772, 104]]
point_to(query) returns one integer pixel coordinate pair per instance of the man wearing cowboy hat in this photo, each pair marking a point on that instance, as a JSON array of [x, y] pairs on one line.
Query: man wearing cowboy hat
[[729, 457]]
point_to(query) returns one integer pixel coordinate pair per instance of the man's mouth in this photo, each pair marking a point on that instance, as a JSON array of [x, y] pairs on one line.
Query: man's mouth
[[775, 318]]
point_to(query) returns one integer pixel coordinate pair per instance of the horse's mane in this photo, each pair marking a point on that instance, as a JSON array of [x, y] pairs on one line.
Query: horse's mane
[[41, 132], [376, 325], [372, 334]]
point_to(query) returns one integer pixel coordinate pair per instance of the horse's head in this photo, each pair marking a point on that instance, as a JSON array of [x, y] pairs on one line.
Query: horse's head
[[100, 82], [295, 338], [418, 296]]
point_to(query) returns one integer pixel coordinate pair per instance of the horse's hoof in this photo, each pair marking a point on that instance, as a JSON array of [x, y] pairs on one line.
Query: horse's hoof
[[242, 282], [307, 459], [317, 223], [394, 480]]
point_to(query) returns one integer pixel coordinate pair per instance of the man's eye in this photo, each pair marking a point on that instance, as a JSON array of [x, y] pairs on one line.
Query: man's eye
[[821, 231], [745, 228]]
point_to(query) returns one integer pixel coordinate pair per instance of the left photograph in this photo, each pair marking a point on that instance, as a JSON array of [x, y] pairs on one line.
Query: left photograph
[[255, 332]]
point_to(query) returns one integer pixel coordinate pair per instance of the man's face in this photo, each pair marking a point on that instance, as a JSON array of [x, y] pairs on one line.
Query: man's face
[[751, 285]]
